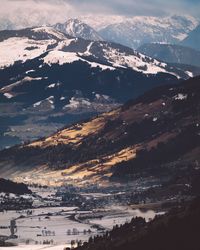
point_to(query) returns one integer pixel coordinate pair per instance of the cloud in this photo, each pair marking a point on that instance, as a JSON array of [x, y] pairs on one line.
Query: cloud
[[37, 12], [135, 7], [34, 12]]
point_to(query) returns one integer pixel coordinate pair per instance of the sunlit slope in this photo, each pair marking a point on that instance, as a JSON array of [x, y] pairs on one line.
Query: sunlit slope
[[162, 127]]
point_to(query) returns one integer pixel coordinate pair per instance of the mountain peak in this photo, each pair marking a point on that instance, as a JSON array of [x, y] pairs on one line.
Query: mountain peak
[[76, 28], [135, 31]]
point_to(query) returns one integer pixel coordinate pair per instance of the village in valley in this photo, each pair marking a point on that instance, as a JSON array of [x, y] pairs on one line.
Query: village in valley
[[65, 216]]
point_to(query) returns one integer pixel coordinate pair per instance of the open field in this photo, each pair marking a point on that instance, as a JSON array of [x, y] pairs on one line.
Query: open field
[[60, 225]]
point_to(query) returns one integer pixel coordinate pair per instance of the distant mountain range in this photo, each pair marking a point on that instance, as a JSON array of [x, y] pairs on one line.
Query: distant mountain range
[[132, 32], [193, 39], [172, 53], [128, 31], [48, 79], [155, 137], [139, 30]]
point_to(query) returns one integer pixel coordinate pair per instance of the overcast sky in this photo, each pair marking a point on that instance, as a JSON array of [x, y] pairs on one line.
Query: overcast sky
[[61, 9], [139, 7]]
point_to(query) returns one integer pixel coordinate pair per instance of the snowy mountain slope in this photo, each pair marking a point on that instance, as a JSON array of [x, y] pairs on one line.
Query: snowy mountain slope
[[136, 31], [27, 44], [76, 28], [35, 33], [48, 79], [55, 47], [108, 56]]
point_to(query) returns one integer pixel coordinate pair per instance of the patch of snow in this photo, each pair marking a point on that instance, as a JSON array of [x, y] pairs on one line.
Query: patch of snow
[[50, 99], [37, 247], [180, 36], [180, 96], [37, 104], [21, 82], [190, 74], [53, 85], [62, 57], [51, 31], [106, 97], [155, 119], [98, 96], [14, 49], [87, 52], [137, 62], [8, 95], [64, 43], [29, 71], [101, 66], [75, 103], [62, 98]]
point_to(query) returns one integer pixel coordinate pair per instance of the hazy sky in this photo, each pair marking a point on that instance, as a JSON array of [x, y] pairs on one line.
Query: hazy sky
[[57, 10], [139, 7]]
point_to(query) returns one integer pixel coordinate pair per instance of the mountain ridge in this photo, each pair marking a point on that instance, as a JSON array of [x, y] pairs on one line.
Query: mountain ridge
[[103, 149], [39, 82], [76, 28], [112, 27], [139, 30]]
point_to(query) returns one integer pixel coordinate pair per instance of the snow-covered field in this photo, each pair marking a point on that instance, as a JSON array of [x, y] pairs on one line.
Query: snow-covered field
[[35, 247], [52, 224], [59, 226]]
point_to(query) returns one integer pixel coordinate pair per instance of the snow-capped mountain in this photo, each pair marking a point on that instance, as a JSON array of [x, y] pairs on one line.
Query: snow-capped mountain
[[193, 39], [53, 79], [171, 53], [76, 28], [55, 47], [134, 32], [129, 31]]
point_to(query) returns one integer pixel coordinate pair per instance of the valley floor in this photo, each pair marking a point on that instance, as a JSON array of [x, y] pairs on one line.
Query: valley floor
[[32, 247], [54, 227]]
